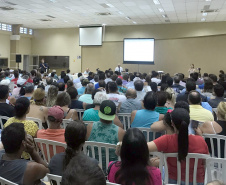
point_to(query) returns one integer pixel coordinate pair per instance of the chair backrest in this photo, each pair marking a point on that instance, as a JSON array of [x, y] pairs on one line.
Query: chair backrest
[[49, 148], [6, 182], [110, 183], [87, 122], [216, 169], [66, 122], [96, 149], [125, 118], [80, 113], [37, 121], [149, 135], [55, 178], [160, 155], [216, 142], [194, 156], [1, 120]]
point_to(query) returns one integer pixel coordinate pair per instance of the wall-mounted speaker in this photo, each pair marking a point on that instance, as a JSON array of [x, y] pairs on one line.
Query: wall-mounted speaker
[[18, 58]]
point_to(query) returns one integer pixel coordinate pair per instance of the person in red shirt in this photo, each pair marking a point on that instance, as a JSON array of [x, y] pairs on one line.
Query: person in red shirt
[[181, 143], [54, 132], [16, 76]]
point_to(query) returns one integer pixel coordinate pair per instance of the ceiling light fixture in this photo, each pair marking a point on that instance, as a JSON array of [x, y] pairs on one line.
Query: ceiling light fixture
[[156, 2], [208, 0], [128, 18], [204, 14], [164, 16], [110, 5], [104, 24], [121, 13], [203, 19], [160, 9], [134, 22]]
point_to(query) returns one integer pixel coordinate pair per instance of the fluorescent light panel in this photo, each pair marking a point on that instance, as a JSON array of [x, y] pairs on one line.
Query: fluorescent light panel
[[160, 9], [156, 2]]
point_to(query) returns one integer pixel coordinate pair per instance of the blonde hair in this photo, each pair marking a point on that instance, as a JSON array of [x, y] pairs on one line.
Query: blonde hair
[[172, 94], [51, 96], [221, 110]]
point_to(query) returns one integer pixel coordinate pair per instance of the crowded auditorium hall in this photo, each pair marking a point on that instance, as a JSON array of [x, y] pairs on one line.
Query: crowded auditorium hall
[[112, 92]]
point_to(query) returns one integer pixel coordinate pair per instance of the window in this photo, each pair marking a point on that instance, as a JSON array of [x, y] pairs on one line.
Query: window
[[4, 27], [21, 30], [0, 26], [9, 28], [30, 31]]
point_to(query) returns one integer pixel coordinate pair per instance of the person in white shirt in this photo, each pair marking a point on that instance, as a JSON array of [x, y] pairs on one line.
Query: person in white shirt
[[77, 81], [86, 71], [119, 68], [155, 78], [113, 94], [68, 74]]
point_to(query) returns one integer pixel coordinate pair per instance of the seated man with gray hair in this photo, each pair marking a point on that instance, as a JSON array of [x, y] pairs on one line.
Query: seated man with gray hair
[[131, 102], [87, 97]]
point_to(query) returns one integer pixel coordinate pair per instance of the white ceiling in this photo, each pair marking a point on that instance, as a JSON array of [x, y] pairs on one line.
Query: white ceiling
[[71, 13]]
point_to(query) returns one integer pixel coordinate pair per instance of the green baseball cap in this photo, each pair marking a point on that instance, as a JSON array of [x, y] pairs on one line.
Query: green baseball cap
[[107, 110]]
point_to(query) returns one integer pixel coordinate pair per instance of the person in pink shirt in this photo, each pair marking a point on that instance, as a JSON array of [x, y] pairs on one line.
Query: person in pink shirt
[[134, 167], [54, 132]]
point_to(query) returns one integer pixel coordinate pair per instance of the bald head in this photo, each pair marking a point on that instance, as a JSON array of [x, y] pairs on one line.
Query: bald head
[[131, 93], [194, 98]]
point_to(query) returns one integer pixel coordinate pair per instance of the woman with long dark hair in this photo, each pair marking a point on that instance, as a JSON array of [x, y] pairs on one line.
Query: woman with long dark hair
[[75, 135], [181, 143], [134, 167]]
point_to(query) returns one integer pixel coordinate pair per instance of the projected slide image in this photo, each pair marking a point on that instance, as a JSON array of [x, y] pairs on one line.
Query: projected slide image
[[138, 51]]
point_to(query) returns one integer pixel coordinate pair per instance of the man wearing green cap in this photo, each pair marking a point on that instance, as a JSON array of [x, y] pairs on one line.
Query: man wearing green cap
[[105, 130]]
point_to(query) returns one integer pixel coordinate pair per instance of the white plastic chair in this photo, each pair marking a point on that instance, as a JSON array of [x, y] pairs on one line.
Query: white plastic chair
[[160, 155], [6, 182], [87, 122], [44, 146], [147, 132], [110, 183], [1, 120], [93, 145], [194, 156], [216, 169], [125, 118], [55, 178], [80, 113], [215, 138], [37, 121], [66, 122]]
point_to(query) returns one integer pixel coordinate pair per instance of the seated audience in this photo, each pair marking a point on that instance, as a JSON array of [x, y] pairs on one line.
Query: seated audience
[[121, 89], [37, 107], [77, 82], [131, 102], [51, 96], [84, 83], [208, 88], [69, 84], [15, 169], [95, 79], [139, 85], [16, 77], [213, 77], [75, 136], [130, 84], [216, 127], [87, 97], [108, 77], [153, 86], [29, 89], [104, 130], [182, 143], [61, 87], [92, 113], [197, 112], [134, 160], [169, 81], [22, 108], [49, 81], [161, 101], [5, 108], [69, 74], [113, 93], [75, 104], [125, 79], [62, 75], [154, 77], [64, 100], [145, 117], [171, 98], [176, 86], [219, 96], [82, 170]]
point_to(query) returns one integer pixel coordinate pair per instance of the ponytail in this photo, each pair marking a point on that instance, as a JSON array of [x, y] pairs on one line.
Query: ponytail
[[69, 154], [183, 141]]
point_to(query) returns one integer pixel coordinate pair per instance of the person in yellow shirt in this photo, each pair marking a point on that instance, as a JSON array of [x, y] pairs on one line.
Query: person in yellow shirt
[[197, 112], [22, 108]]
